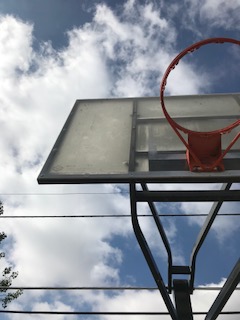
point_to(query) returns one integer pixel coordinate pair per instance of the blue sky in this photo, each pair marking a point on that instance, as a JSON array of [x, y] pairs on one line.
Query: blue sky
[[53, 52]]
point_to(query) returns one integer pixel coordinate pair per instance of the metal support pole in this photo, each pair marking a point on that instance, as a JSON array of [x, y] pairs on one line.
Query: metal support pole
[[225, 293], [182, 299], [148, 255]]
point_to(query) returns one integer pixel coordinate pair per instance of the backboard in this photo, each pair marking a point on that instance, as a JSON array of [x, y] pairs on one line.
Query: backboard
[[129, 140]]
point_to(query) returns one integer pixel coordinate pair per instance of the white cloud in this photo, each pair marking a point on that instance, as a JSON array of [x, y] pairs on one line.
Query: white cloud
[[45, 306], [141, 52], [17, 49], [223, 227], [221, 13], [138, 301], [78, 248], [151, 301], [214, 13], [203, 299], [153, 17]]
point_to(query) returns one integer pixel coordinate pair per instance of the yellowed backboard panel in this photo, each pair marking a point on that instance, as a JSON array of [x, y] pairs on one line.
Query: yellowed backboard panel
[[114, 140]]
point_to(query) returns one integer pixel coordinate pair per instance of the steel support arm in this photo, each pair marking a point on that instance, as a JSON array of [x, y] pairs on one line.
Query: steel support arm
[[163, 236], [148, 255], [203, 233]]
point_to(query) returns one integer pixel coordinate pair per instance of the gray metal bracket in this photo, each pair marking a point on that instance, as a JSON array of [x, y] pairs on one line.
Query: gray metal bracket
[[148, 255], [182, 288]]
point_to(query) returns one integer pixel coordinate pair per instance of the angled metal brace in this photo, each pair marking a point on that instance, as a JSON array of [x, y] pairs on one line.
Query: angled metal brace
[[148, 255], [163, 236], [204, 231], [225, 293]]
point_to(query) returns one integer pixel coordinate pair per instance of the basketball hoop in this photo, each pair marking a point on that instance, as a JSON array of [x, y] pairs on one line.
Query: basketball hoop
[[204, 150]]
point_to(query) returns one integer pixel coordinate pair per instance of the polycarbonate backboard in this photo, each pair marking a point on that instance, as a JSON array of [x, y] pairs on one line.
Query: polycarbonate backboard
[[129, 140]]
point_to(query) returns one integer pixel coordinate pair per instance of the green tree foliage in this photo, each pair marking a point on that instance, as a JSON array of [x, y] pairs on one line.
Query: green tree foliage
[[7, 276]]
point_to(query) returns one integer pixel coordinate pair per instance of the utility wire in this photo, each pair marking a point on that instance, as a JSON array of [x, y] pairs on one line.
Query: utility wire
[[106, 312], [63, 193], [102, 288], [71, 193], [115, 216]]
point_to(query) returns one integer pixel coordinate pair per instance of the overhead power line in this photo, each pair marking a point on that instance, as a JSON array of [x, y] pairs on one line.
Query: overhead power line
[[63, 193], [216, 288], [105, 313], [125, 192], [116, 215]]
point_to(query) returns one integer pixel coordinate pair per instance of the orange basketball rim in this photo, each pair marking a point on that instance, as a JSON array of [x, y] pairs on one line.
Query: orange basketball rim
[[204, 149]]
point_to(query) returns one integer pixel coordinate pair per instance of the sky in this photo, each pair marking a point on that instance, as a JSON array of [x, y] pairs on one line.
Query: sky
[[53, 52]]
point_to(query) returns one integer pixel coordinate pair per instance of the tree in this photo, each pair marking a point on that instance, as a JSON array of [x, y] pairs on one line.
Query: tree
[[7, 276]]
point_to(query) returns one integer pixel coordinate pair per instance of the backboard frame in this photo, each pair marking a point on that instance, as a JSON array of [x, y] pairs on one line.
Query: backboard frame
[[163, 176]]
